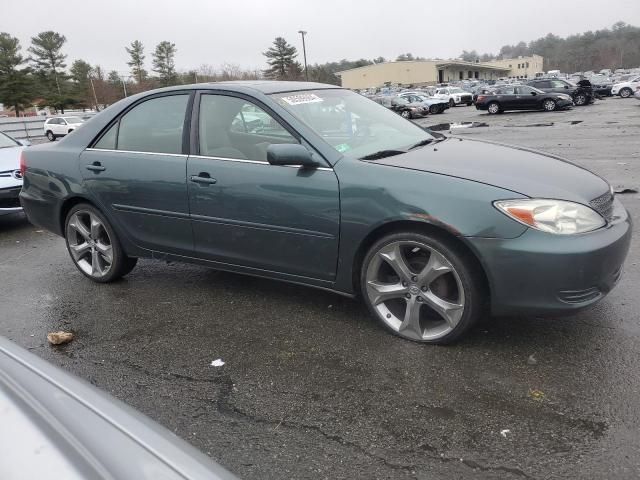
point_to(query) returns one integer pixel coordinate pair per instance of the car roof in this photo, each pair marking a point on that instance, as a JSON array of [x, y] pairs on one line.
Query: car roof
[[263, 86]]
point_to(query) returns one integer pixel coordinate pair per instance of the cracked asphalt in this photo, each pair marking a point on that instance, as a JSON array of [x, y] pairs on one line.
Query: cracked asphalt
[[313, 388]]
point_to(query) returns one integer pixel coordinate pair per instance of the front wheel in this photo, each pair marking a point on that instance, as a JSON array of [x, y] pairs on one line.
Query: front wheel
[[405, 114], [421, 288], [433, 109], [625, 92], [94, 246], [452, 103], [50, 136], [580, 99], [469, 104], [493, 108], [549, 105]]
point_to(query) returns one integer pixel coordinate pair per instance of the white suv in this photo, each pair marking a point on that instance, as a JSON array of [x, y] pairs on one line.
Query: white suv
[[454, 95], [626, 89], [60, 126]]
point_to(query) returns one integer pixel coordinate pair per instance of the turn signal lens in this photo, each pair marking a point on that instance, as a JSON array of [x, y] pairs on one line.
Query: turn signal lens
[[23, 166], [552, 216]]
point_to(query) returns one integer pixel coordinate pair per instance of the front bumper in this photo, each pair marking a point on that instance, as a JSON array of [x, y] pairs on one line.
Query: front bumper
[[9, 199], [564, 103], [541, 273]]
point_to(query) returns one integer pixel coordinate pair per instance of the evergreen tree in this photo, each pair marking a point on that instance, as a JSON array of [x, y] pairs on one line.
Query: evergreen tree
[[164, 63], [81, 90], [47, 57], [281, 58], [136, 62], [15, 82]]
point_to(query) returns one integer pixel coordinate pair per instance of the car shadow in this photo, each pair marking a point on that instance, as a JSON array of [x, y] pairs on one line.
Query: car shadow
[[13, 222]]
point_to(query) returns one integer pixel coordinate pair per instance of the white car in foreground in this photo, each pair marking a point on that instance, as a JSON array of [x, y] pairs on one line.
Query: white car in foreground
[[55, 127], [625, 89]]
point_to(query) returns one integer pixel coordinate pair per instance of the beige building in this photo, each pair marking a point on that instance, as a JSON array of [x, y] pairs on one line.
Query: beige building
[[430, 72]]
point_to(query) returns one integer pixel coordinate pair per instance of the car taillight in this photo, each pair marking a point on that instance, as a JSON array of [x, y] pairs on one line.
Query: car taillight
[[480, 98], [23, 167]]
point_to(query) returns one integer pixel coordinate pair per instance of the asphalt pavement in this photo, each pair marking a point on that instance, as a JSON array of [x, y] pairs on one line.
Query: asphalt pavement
[[313, 388]]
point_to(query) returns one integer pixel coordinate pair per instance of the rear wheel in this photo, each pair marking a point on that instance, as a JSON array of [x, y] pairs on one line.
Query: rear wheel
[[421, 288], [549, 105], [51, 136], [94, 246], [452, 103], [625, 92], [469, 104], [493, 108]]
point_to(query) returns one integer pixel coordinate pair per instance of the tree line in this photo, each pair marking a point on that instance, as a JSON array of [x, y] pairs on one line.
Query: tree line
[[41, 76], [612, 48]]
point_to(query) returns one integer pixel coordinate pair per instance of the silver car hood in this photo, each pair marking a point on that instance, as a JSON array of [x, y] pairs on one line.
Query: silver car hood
[[57, 426]]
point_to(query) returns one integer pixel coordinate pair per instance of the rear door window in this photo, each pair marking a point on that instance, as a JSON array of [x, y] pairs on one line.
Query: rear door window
[[153, 126]]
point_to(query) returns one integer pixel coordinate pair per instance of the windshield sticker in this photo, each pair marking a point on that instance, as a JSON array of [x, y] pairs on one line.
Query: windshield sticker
[[302, 98], [343, 147]]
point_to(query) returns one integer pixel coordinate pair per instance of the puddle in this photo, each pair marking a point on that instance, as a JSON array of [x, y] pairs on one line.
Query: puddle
[[453, 126], [550, 124], [623, 190], [575, 122]]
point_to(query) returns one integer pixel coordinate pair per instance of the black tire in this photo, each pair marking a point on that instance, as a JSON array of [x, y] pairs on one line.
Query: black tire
[[121, 264], [549, 105], [580, 99], [50, 136], [70, 130], [626, 92], [406, 114], [469, 104], [441, 109], [471, 279], [493, 108], [452, 103], [433, 109]]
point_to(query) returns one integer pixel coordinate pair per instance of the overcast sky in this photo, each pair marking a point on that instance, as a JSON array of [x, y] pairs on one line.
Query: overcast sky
[[237, 31]]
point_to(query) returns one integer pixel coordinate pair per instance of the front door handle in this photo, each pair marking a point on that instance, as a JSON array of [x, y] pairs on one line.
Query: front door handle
[[96, 167], [203, 178]]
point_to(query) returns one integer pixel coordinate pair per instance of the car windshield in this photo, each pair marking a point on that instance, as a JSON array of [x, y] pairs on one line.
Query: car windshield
[[457, 90], [73, 120], [352, 124], [7, 142]]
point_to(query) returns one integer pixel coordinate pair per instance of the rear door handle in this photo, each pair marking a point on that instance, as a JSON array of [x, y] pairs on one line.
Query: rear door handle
[[203, 178], [96, 167]]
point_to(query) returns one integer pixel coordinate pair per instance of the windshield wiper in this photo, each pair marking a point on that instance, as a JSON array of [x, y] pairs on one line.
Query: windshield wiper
[[421, 143], [382, 154]]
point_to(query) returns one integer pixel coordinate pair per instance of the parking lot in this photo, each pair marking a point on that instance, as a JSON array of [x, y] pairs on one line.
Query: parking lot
[[312, 387]]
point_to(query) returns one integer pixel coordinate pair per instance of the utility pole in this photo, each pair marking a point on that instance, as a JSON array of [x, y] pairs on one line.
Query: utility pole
[[95, 97], [124, 86], [304, 53]]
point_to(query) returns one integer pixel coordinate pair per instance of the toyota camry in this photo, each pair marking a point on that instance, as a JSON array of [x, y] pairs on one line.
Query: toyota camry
[[317, 185]]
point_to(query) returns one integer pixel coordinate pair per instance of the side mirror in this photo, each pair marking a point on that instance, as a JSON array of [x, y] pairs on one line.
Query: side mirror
[[24, 143], [566, 87], [290, 154], [534, 93]]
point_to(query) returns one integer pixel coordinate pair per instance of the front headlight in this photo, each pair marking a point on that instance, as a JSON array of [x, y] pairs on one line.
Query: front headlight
[[552, 216]]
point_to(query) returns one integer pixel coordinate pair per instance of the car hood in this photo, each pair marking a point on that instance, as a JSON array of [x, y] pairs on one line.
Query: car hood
[[10, 158], [520, 170], [57, 426]]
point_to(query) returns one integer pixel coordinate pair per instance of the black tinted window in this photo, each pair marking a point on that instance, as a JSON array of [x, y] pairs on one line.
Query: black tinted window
[[154, 126], [543, 84]]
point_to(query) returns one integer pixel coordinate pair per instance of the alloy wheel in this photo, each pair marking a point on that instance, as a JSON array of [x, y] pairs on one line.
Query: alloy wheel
[[494, 108], [405, 114], [625, 93], [549, 105], [89, 244], [415, 290], [51, 136], [580, 99]]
